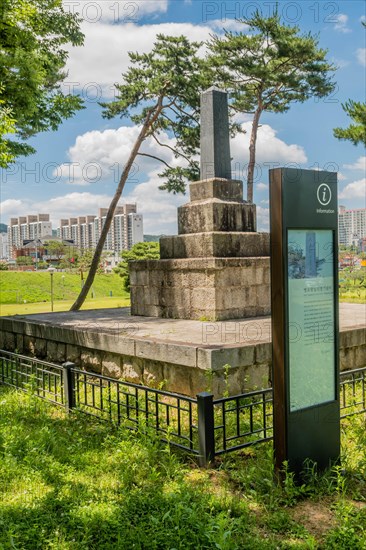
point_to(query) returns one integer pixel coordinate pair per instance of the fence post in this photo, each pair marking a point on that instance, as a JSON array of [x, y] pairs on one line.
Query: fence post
[[206, 428], [68, 380]]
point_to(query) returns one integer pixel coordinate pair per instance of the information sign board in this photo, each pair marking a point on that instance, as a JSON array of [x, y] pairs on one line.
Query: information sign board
[[304, 270]]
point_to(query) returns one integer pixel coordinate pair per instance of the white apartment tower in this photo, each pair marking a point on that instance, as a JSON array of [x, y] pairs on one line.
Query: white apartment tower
[[126, 229], [4, 248], [27, 228], [351, 225]]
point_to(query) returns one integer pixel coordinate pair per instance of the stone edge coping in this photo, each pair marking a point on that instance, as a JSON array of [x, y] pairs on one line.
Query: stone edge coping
[[202, 356]]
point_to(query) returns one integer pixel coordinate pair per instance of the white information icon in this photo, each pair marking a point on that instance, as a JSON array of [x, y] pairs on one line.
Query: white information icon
[[324, 194]]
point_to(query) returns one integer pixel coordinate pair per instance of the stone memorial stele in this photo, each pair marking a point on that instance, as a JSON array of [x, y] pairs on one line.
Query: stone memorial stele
[[217, 267]]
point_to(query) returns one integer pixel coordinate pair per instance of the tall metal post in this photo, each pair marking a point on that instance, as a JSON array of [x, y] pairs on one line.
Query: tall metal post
[[206, 428], [68, 380]]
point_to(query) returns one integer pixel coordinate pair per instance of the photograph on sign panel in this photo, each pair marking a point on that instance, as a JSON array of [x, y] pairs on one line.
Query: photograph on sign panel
[[311, 317]]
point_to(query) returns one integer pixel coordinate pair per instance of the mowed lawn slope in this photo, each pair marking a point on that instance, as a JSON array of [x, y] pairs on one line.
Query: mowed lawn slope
[[17, 287]]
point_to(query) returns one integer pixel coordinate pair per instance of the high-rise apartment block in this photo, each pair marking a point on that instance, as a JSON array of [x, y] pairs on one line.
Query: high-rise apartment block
[[351, 225], [126, 229], [4, 247], [27, 228]]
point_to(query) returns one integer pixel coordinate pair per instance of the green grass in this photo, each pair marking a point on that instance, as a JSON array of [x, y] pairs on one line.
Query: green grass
[[71, 483], [26, 293], [63, 305], [30, 287], [353, 296]]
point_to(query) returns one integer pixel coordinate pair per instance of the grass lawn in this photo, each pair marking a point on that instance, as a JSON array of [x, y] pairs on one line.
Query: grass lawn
[[353, 296], [63, 305], [30, 292], [17, 287], [71, 483]]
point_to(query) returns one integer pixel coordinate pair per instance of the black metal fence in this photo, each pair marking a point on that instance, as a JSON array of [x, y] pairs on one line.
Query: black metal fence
[[204, 426]]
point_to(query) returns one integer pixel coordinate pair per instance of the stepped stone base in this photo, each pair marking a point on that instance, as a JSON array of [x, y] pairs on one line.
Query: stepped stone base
[[201, 288], [215, 244]]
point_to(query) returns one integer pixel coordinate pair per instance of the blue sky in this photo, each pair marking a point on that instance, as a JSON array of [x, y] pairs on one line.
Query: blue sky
[[75, 169]]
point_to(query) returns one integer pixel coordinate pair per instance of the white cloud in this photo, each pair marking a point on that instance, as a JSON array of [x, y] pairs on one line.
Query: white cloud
[[341, 23], [115, 11], [341, 177], [262, 218], [98, 155], [360, 164], [228, 24], [270, 151], [361, 56], [159, 208], [9, 207], [262, 186], [94, 68], [355, 190]]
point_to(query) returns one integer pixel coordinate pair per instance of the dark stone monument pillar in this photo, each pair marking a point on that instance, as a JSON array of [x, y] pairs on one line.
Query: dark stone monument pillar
[[217, 267], [215, 136]]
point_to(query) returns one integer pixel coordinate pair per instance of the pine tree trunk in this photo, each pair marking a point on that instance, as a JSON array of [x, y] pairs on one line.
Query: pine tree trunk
[[252, 150], [149, 121]]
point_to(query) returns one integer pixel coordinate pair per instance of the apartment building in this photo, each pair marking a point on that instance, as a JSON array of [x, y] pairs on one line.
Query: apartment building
[[4, 248], [351, 225], [126, 229], [24, 228]]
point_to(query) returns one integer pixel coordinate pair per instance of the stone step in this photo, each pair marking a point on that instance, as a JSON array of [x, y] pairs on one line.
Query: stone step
[[216, 215], [215, 244]]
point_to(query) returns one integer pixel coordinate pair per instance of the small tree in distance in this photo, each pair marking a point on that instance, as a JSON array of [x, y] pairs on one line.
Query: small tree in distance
[[139, 251], [268, 68], [24, 260], [56, 249]]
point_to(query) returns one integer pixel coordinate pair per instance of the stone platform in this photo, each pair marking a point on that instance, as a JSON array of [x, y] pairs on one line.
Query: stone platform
[[183, 353], [216, 268], [203, 289]]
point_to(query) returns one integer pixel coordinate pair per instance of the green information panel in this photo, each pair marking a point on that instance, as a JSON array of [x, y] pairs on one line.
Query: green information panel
[[311, 317]]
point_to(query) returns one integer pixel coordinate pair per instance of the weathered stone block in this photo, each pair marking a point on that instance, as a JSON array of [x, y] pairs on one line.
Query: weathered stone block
[[40, 348], [178, 378], [29, 345], [153, 374], [9, 342], [55, 352], [91, 360], [203, 298], [73, 354], [19, 343], [216, 215], [360, 356], [111, 365], [256, 377], [263, 353], [132, 370], [215, 244], [216, 188], [164, 352]]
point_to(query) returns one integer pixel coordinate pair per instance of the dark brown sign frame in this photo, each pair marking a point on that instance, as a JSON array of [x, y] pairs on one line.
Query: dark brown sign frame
[[301, 200]]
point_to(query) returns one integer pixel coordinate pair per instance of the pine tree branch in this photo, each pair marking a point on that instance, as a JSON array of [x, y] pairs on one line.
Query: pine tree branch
[[154, 157]]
